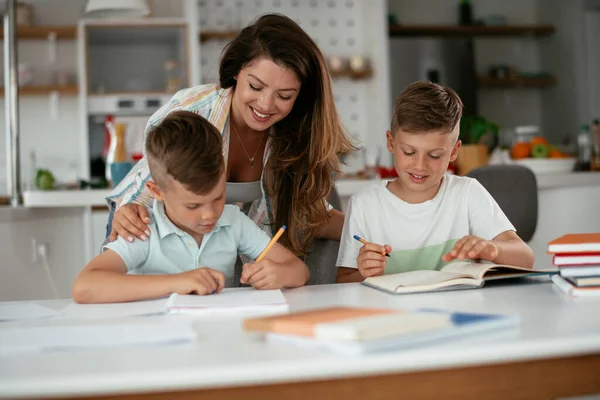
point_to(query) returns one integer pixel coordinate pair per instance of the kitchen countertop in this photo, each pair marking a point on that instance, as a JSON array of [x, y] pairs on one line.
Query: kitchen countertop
[[345, 187], [8, 213], [65, 198]]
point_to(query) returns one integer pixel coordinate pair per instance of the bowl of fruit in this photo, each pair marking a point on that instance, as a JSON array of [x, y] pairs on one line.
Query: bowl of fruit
[[542, 157]]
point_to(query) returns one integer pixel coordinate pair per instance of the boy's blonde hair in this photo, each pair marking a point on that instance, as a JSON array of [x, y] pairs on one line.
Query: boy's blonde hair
[[424, 107], [187, 148]]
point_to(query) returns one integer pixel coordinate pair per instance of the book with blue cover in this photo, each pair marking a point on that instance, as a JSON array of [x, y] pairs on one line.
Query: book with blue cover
[[355, 330]]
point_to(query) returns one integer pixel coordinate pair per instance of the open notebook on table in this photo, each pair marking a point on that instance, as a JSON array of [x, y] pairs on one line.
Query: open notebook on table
[[453, 276]]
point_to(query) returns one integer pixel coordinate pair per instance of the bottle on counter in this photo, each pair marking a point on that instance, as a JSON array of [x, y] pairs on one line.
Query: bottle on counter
[[117, 160], [595, 165], [465, 13], [584, 149]]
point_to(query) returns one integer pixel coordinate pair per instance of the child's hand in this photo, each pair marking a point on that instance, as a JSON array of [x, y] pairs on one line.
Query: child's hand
[[472, 247], [199, 281], [371, 261], [264, 275]]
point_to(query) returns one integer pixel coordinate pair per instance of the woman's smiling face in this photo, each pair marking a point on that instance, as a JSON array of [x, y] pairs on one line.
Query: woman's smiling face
[[265, 93]]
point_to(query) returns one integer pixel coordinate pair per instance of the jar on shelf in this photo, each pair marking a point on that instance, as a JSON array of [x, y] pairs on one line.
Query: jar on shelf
[[172, 77], [525, 133], [24, 14]]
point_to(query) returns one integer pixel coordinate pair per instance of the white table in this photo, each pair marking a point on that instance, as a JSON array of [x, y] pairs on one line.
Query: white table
[[555, 353]]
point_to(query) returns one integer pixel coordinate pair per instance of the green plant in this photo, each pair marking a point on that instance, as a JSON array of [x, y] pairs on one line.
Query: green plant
[[473, 130], [44, 180]]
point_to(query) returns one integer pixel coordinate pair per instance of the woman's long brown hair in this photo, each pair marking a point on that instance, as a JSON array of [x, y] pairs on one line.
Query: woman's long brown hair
[[306, 145]]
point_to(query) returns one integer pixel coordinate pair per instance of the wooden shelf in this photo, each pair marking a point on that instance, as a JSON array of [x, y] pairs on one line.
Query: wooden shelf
[[71, 90], [517, 82], [130, 94], [230, 35], [42, 32], [210, 35], [476, 30], [352, 74]]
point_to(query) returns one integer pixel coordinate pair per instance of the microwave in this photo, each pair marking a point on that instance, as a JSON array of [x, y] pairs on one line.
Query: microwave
[[126, 105]]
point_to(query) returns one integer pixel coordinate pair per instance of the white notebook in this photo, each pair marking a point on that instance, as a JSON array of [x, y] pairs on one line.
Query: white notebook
[[93, 334], [232, 300], [21, 310], [115, 310]]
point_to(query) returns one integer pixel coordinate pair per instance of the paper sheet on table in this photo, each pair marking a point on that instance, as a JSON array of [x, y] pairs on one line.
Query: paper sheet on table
[[114, 310], [232, 300], [19, 310], [93, 334]]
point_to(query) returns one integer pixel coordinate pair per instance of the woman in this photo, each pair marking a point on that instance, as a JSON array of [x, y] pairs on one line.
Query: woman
[[282, 136]]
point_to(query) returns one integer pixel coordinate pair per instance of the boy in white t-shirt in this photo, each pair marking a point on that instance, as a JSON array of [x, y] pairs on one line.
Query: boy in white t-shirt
[[425, 217]]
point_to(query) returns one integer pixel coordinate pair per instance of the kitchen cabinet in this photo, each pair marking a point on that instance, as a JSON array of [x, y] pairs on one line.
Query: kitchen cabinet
[[27, 276], [98, 228], [149, 56]]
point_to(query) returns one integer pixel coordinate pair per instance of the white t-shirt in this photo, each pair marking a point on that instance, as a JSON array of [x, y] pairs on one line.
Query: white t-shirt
[[419, 234]]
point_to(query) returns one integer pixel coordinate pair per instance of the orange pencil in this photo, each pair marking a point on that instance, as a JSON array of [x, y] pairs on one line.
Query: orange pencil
[[363, 241], [271, 243]]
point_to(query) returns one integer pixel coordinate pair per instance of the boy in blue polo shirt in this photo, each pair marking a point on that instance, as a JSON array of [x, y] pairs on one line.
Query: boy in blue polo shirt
[[196, 237]]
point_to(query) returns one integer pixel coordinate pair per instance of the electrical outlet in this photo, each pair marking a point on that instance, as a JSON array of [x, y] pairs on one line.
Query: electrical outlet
[[38, 250], [43, 250]]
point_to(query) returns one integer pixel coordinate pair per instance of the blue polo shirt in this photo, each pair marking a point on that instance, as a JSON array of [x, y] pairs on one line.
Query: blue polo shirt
[[170, 250]]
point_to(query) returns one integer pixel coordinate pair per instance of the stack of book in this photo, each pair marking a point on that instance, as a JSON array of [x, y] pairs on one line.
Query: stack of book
[[577, 257], [357, 330]]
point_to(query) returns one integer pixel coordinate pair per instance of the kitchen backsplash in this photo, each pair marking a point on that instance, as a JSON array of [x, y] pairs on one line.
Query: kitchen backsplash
[[56, 143]]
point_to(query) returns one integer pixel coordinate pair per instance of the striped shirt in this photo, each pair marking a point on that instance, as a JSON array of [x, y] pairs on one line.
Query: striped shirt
[[214, 104]]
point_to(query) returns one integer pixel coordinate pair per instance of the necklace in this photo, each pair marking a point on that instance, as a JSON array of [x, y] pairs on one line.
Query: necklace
[[250, 159]]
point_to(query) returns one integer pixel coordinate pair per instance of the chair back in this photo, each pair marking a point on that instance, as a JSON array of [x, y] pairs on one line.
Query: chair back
[[514, 188]]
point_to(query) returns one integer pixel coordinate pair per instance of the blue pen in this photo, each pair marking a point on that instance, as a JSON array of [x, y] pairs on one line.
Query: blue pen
[[363, 241]]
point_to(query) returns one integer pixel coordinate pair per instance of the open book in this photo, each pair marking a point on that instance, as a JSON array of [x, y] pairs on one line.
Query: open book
[[453, 276]]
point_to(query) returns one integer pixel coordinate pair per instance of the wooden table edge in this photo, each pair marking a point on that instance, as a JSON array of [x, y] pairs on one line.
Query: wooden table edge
[[536, 379]]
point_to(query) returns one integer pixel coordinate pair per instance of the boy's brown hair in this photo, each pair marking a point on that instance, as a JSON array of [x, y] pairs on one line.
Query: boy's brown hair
[[424, 107], [187, 148]]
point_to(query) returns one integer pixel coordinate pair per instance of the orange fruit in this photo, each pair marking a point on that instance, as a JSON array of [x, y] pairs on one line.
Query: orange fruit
[[555, 153], [538, 140], [520, 150]]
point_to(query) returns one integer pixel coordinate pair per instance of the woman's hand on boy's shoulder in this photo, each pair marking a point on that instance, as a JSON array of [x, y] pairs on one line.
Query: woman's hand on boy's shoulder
[[130, 220], [200, 281], [470, 247]]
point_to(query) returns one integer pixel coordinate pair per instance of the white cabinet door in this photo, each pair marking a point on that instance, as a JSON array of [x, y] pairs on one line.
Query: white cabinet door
[[23, 277], [99, 221]]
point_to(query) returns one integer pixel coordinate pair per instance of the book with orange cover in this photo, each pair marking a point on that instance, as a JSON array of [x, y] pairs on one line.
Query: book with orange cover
[[575, 243], [355, 330], [306, 323]]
